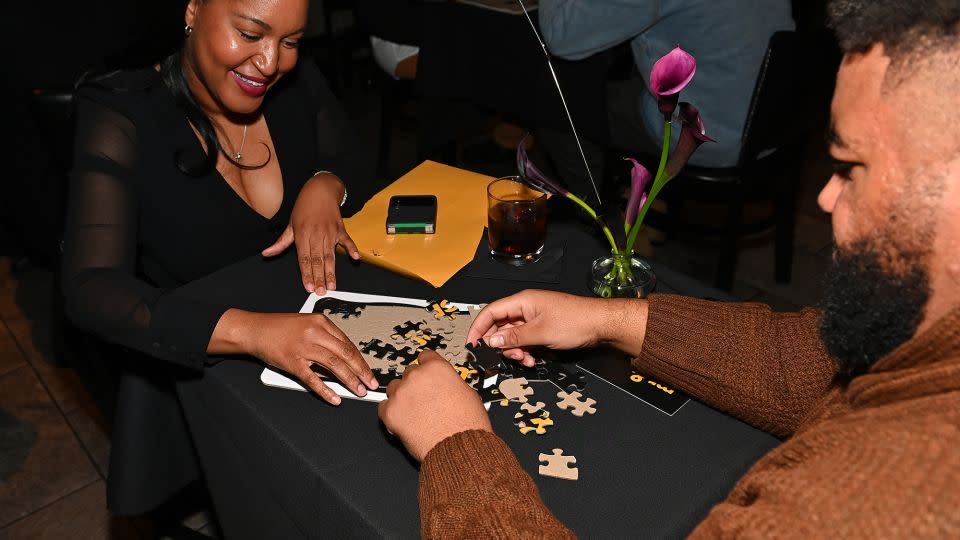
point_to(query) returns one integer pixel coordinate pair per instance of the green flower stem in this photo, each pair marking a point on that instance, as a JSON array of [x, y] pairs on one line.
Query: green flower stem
[[593, 214], [658, 183]]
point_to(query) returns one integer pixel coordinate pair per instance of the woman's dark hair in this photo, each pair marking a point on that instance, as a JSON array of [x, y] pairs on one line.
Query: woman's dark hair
[[897, 24], [171, 73]]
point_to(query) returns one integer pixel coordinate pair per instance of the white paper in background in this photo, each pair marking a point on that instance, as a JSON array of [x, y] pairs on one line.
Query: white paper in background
[[270, 377]]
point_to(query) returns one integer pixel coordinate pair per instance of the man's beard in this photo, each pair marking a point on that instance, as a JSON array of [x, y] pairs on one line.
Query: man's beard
[[869, 310]]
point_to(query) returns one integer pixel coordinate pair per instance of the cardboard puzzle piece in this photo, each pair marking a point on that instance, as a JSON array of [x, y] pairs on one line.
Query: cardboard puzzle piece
[[407, 327], [468, 375], [375, 348], [546, 371], [420, 340], [386, 377], [336, 307], [382, 365], [378, 349], [443, 309], [558, 465], [577, 406], [528, 412], [515, 389], [488, 357], [537, 425]]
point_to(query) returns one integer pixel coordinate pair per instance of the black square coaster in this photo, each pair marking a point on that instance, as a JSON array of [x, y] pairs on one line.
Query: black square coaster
[[548, 269]]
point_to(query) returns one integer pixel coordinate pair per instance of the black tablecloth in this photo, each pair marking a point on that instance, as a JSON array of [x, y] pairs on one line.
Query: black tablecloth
[[283, 464]]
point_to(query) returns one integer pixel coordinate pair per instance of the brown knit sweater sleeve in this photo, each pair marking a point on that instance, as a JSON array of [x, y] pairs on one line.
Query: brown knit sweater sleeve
[[471, 486], [764, 367]]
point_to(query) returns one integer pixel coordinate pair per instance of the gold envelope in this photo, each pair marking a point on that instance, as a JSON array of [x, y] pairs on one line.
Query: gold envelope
[[434, 258]]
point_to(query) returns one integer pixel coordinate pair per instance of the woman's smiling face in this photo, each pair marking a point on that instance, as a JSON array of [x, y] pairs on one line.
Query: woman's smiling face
[[238, 49]]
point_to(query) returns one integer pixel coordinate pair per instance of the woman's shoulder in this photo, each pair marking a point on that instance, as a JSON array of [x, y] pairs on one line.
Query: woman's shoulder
[[127, 90]]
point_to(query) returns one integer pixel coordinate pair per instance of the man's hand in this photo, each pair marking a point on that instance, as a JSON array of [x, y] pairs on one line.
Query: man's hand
[[429, 404], [316, 227], [559, 321]]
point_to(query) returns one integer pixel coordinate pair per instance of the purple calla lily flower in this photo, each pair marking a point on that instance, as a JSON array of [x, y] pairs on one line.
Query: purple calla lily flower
[[692, 135], [533, 177], [640, 178], [671, 74]]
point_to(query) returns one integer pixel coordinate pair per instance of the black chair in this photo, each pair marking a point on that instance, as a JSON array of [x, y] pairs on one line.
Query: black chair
[[789, 92]]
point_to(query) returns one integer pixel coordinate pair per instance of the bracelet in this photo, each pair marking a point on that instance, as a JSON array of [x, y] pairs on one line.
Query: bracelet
[[343, 201]]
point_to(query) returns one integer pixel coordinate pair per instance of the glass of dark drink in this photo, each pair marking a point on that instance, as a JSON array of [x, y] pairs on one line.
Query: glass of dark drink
[[516, 221]]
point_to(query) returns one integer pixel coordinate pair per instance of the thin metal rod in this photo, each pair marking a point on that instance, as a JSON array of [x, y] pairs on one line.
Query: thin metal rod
[[562, 99]]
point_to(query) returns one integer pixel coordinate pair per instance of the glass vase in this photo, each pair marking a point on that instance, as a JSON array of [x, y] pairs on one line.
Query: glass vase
[[622, 275]]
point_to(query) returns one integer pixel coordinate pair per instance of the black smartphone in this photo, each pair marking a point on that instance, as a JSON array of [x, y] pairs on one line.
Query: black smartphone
[[412, 214]]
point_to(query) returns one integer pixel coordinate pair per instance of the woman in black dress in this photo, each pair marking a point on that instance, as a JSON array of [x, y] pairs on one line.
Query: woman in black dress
[[229, 148]]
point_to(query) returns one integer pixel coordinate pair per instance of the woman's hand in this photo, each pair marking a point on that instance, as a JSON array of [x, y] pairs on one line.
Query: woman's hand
[[316, 227], [292, 342], [430, 403], [558, 321]]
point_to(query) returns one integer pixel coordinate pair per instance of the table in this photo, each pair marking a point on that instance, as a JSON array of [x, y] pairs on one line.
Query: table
[[282, 464]]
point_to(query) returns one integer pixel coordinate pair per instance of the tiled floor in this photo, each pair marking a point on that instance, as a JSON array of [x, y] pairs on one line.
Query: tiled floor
[[54, 450], [54, 487]]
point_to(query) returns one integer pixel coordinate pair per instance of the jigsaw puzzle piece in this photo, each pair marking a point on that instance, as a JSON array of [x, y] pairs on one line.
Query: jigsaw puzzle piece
[[443, 309], [403, 356], [545, 371], [469, 376], [376, 348], [488, 357], [515, 389], [380, 365], [529, 411], [557, 465], [335, 306], [537, 425], [575, 403], [385, 378], [408, 327]]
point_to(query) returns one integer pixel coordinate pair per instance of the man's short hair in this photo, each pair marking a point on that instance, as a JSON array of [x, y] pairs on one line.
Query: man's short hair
[[902, 26]]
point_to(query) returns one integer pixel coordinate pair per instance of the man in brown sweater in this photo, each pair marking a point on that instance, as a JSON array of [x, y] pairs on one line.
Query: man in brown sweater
[[865, 391]]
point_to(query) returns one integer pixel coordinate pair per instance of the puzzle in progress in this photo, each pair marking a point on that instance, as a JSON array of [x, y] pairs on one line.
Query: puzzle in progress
[[391, 332]]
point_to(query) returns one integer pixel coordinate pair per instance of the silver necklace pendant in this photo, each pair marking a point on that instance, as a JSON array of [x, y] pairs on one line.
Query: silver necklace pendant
[[243, 141]]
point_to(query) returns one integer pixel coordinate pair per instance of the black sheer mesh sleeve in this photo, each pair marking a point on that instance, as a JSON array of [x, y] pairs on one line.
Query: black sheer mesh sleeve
[[102, 292], [340, 149]]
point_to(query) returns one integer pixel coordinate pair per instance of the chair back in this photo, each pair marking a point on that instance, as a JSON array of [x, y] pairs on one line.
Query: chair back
[[52, 110], [775, 117]]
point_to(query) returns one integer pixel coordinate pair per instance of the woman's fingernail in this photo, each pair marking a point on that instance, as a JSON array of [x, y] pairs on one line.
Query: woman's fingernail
[[321, 290], [310, 287], [496, 340], [335, 400], [331, 285], [361, 390], [373, 384]]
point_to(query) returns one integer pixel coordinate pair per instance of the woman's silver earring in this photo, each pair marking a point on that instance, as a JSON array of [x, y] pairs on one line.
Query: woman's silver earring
[[187, 30]]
